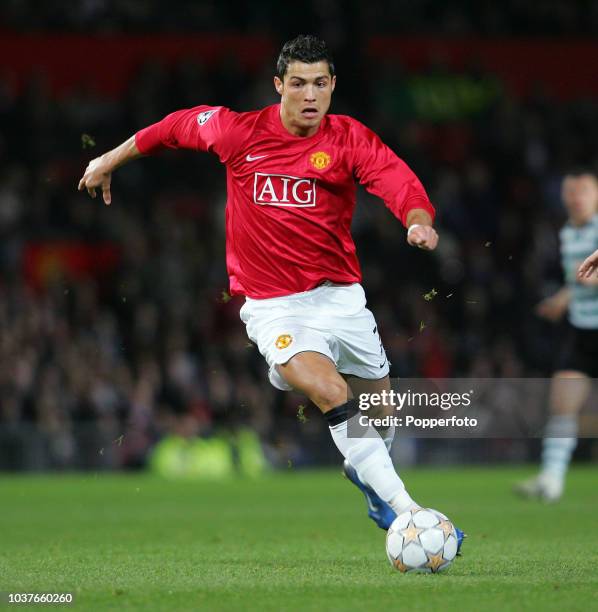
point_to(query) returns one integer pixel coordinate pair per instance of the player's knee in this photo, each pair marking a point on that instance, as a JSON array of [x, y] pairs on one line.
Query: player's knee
[[329, 393]]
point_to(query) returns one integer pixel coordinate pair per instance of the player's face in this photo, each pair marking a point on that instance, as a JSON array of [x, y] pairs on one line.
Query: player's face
[[580, 195], [305, 96]]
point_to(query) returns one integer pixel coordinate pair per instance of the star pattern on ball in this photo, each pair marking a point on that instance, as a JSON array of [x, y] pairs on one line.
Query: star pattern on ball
[[446, 527], [398, 563], [411, 533], [435, 561]]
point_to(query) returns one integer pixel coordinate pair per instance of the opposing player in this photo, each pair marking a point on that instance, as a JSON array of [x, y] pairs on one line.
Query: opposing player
[[578, 361], [589, 267], [291, 171]]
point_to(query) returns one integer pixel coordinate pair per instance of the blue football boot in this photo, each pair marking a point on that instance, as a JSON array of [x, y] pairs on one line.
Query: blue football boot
[[461, 535], [378, 510]]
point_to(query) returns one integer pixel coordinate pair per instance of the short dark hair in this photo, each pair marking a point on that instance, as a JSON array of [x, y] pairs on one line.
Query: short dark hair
[[578, 171], [305, 48]]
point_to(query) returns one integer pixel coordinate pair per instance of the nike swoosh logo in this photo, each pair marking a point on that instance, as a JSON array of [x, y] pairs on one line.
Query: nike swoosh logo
[[370, 504], [251, 158]]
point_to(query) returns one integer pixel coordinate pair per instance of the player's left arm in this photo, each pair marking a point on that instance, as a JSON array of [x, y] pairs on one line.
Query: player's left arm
[[387, 176], [587, 273], [420, 232]]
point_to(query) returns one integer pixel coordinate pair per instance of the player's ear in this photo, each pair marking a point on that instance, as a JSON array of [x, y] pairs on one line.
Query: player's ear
[[333, 82], [278, 85]]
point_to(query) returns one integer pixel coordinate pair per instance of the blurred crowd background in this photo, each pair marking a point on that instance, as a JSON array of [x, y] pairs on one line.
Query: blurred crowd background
[[116, 327]]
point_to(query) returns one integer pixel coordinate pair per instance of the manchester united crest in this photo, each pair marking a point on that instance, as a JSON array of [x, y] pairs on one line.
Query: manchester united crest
[[283, 341], [319, 160]]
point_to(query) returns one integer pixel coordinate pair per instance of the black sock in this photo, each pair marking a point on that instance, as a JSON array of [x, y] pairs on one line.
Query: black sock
[[341, 413]]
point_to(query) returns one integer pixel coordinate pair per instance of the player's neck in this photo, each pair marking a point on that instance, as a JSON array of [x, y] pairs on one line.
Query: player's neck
[[580, 221], [294, 129]]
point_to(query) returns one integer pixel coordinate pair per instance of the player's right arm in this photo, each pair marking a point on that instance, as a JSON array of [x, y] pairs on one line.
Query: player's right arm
[[202, 128], [554, 307], [98, 174]]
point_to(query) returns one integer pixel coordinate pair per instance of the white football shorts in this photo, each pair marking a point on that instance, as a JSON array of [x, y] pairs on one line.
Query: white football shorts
[[330, 319]]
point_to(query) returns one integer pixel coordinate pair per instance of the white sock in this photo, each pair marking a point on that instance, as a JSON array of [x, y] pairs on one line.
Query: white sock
[[558, 445], [369, 456], [388, 435]]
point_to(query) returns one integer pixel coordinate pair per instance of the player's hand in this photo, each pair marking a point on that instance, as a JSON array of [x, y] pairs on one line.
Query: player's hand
[[588, 268], [97, 175], [552, 308], [423, 237]]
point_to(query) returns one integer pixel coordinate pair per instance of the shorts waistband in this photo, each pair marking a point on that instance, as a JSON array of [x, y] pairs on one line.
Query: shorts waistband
[[300, 295]]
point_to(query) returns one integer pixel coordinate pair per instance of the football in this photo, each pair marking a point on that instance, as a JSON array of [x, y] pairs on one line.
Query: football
[[421, 540]]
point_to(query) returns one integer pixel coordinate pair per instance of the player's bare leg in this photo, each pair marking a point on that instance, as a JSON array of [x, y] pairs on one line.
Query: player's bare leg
[[316, 376], [568, 393]]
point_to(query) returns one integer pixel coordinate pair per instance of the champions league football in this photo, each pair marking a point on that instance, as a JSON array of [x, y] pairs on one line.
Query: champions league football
[[421, 541]]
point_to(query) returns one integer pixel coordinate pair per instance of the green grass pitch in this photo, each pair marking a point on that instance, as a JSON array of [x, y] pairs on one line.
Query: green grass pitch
[[291, 541]]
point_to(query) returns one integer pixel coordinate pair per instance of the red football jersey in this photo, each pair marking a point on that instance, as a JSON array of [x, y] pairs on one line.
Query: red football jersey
[[290, 198]]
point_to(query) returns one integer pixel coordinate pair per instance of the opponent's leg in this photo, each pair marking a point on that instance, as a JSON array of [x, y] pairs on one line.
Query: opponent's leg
[[569, 391], [315, 375]]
